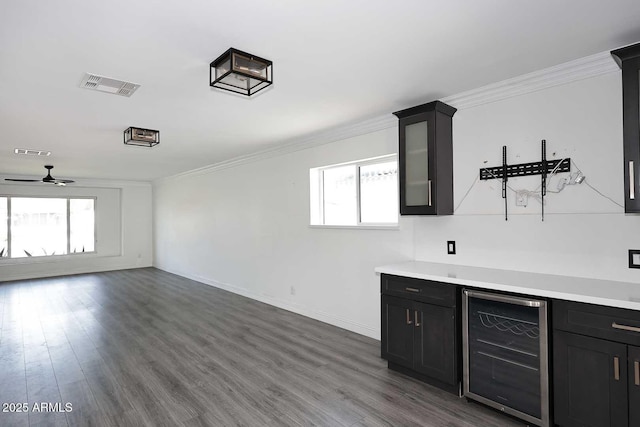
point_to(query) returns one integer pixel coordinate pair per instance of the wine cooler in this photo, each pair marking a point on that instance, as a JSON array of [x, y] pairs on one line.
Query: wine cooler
[[505, 354]]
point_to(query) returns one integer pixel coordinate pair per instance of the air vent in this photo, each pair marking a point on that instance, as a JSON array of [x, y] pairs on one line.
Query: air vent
[[108, 85], [30, 152]]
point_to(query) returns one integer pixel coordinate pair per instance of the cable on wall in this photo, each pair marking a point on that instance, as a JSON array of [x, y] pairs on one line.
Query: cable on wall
[[593, 188], [473, 184]]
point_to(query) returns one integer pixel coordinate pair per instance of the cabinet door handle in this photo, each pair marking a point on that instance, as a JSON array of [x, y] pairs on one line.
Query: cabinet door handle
[[415, 313], [632, 181], [616, 368], [429, 191], [409, 321], [412, 289], [636, 371], [615, 325]]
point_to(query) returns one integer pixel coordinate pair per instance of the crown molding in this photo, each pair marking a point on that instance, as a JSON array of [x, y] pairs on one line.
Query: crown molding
[[579, 69], [297, 144]]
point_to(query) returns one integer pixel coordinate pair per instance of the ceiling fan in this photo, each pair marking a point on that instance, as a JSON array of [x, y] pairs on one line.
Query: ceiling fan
[[47, 179]]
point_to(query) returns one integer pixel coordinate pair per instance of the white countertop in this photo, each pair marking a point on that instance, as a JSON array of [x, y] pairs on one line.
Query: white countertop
[[593, 291]]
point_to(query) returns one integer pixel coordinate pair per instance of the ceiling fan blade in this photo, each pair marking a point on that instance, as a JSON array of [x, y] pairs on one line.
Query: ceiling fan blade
[[47, 179]]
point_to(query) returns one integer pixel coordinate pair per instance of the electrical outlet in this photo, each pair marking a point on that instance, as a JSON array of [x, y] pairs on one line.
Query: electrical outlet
[[522, 198], [634, 258], [451, 247], [292, 291]]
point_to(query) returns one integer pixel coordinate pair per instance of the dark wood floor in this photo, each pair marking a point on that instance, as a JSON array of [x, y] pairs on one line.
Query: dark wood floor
[[144, 347]]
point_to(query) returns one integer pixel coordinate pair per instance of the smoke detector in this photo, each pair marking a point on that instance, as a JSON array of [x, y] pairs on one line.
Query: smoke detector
[[108, 85]]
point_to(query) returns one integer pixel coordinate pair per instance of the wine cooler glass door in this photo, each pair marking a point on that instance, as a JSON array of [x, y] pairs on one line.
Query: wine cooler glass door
[[506, 354]]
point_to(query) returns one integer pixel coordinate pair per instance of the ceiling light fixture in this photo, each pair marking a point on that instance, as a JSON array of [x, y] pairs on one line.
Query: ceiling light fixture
[[240, 72], [141, 137]]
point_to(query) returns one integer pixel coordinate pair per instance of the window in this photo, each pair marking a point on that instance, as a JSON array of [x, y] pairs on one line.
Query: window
[[4, 231], [82, 220], [361, 193], [43, 226]]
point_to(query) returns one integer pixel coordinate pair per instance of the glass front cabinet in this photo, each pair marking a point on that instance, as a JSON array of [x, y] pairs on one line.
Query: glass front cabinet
[[426, 159], [628, 58]]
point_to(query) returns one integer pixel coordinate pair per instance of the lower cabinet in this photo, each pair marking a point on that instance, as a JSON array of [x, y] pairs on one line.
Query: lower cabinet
[[633, 367], [420, 338], [435, 347], [596, 366], [590, 381], [398, 331]]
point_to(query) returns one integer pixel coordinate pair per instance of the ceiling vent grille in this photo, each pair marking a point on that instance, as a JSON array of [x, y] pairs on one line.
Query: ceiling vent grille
[[30, 152], [108, 85]]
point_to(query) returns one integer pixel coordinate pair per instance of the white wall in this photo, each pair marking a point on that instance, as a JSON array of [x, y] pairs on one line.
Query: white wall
[[123, 230], [583, 234], [246, 229]]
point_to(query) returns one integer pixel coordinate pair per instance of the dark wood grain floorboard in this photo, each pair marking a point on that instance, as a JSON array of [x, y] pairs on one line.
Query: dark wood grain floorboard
[[148, 348]]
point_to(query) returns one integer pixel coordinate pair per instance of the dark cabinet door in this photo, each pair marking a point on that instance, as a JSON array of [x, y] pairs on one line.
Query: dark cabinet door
[[631, 132], [435, 349], [634, 385], [590, 381], [629, 60], [417, 184], [425, 159], [397, 330]]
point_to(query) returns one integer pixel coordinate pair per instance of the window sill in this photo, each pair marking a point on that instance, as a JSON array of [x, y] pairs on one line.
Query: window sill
[[46, 259], [358, 227]]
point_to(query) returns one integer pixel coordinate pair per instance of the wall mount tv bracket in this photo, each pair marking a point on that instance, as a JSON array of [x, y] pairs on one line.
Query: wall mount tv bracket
[[541, 168]]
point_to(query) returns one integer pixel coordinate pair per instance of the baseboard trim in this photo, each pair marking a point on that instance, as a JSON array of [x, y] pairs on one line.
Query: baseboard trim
[[70, 272], [283, 304]]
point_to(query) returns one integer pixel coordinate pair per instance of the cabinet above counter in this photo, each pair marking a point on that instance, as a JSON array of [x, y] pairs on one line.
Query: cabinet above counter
[[628, 58], [592, 291], [425, 159]]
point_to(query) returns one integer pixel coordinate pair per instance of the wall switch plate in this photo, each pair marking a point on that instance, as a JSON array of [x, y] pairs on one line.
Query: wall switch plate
[[634, 258], [451, 247]]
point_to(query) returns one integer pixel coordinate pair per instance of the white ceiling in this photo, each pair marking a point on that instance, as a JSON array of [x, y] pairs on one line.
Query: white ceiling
[[335, 62]]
